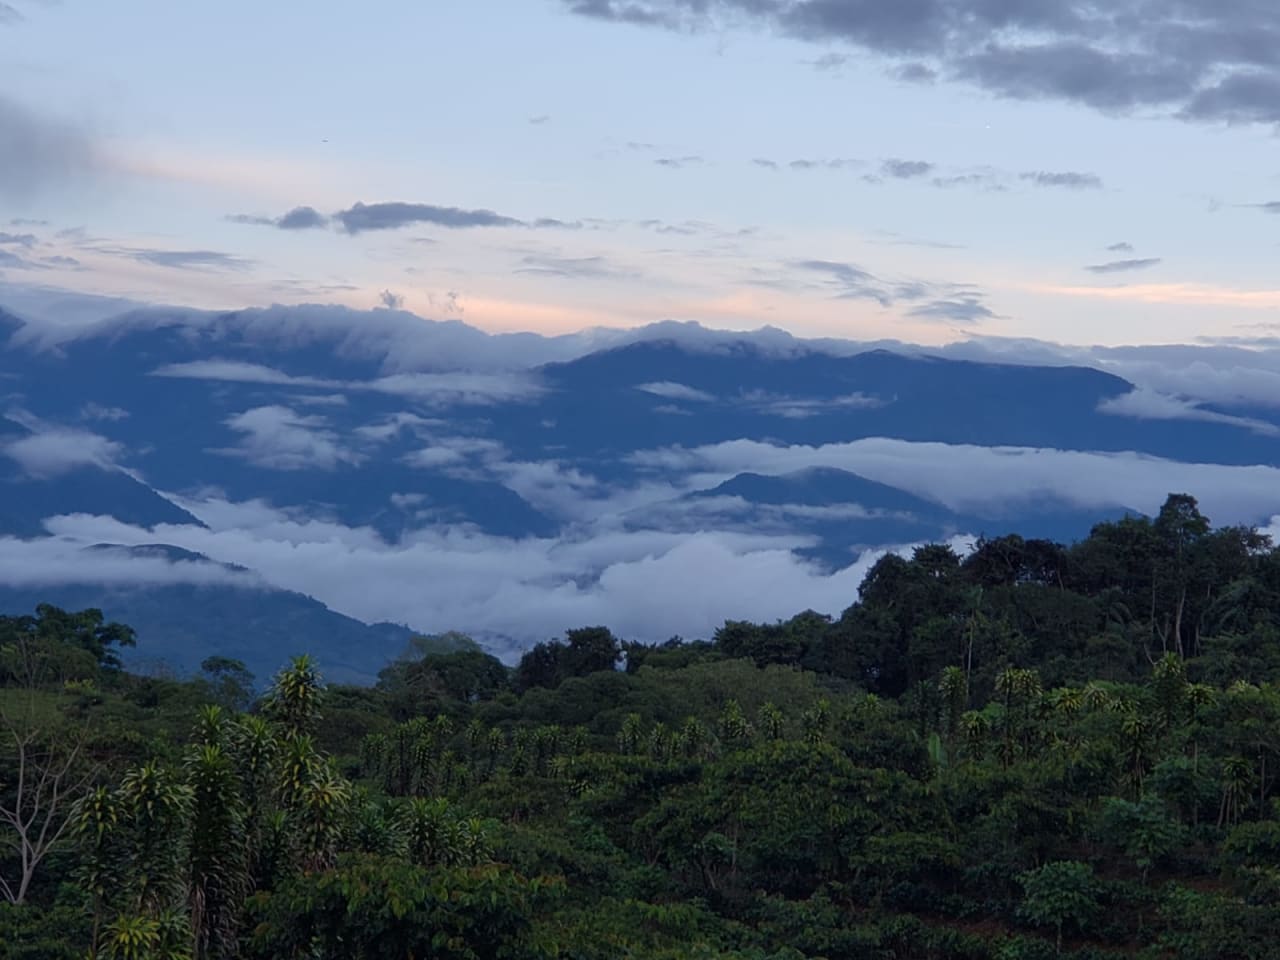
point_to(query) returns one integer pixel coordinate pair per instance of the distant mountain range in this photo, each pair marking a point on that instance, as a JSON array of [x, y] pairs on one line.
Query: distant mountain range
[[392, 468]]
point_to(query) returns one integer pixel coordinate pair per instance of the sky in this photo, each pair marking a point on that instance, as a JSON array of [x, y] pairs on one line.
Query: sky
[[925, 170]]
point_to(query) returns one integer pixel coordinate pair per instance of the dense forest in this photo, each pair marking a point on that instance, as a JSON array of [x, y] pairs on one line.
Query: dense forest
[[1029, 751]]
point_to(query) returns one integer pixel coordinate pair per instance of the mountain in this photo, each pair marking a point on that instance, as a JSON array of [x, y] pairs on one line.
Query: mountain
[[364, 466], [180, 624], [27, 498]]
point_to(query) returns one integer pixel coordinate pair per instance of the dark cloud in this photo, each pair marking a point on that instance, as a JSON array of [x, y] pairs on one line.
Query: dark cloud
[[393, 215], [392, 301], [678, 163], [906, 169], [18, 239], [299, 218], [38, 153], [1121, 247], [181, 259], [932, 301], [551, 223], [1202, 60], [851, 282], [1272, 207], [302, 218], [767, 164], [965, 309], [1069, 180], [984, 180], [916, 73], [1123, 266]]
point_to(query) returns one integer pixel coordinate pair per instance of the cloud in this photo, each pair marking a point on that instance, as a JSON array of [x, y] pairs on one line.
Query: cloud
[[1124, 266], [906, 169], [299, 218], [56, 560], [968, 309], [27, 240], [203, 260], [443, 389], [510, 593], [1120, 247], [277, 438], [1272, 207], [829, 61], [392, 301], [678, 163], [1068, 180], [1202, 60], [984, 479], [853, 281], [676, 391], [540, 119], [1144, 403], [96, 411], [802, 408], [955, 302], [39, 153], [50, 451], [576, 268], [767, 164], [235, 371], [449, 451], [391, 216]]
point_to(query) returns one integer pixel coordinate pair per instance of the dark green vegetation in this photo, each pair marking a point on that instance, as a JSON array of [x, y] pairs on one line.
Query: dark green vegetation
[[1035, 751]]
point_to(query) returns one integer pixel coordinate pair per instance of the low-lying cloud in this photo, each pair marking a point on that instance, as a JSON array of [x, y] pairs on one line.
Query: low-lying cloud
[[521, 590], [1147, 404], [49, 451], [676, 391], [276, 437], [979, 479]]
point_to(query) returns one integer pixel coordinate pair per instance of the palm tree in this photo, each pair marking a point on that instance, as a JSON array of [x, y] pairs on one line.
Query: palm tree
[[770, 721], [294, 698], [1236, 777], [218, 869]]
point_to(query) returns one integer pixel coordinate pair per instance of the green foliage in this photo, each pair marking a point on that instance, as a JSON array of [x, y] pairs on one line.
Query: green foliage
[[1059, 894], [1030, 751], [372, 908]]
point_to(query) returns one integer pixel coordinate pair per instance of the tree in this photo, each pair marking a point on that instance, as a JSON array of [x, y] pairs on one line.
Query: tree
[[591, 649], [55, 646], [376, 908], [294, 698], [47, 776], [1061, 893], [230, 682]]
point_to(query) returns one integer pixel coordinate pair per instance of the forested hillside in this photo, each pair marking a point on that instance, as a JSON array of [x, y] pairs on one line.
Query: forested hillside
[[1027, 752]]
